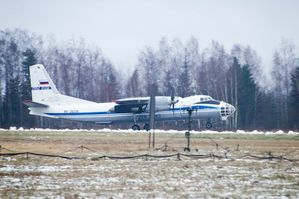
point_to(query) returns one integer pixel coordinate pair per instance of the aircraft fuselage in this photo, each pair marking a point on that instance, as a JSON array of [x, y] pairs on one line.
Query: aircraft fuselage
[[101, 113]]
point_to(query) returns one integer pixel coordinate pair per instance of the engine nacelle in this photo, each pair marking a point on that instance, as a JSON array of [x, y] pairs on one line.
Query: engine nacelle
[[163, 103]]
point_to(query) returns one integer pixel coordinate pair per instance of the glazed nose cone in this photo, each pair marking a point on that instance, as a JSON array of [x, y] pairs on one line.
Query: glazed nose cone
[[227, 110]]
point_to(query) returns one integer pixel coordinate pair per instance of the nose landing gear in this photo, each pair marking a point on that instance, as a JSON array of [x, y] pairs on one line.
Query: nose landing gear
[[209, 125]]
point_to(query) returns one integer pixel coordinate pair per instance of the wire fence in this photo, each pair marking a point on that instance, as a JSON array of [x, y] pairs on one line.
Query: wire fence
[[4, 152], [227, 154]]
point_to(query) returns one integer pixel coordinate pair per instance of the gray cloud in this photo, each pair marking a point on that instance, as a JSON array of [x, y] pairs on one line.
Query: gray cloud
[[123, 28]]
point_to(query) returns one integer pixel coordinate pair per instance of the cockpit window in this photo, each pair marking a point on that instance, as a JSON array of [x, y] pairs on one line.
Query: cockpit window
[[206, 99], [209, 102]]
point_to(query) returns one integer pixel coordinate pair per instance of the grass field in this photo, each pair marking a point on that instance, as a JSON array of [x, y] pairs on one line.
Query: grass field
[[237, 175]]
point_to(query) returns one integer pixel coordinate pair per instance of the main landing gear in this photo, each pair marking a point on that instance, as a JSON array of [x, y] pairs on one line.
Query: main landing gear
[[146, 127], [136, 127]]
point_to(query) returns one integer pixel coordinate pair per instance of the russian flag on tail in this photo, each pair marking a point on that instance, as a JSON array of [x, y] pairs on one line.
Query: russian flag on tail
[[43, 83]]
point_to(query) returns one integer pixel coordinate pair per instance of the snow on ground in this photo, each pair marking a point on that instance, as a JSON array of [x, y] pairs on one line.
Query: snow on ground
[[168, 178], [107, 130]]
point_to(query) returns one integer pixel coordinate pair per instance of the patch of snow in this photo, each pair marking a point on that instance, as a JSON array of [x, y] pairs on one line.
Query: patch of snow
[[13, 128], [150, 179], [171, 131]]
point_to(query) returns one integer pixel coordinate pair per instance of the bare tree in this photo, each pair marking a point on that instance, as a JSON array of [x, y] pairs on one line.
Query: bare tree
[[284, 62], [133, 85], [148, 64]]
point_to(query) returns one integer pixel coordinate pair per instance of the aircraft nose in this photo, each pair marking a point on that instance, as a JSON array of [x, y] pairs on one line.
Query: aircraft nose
[[232, 109], [227, 110]]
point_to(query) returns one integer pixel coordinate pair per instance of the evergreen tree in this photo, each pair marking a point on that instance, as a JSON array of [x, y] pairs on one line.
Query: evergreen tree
[[294, 100], [246, 98], [2, 45], [12, 105], [29, 59], [10, 63], [266, 115]]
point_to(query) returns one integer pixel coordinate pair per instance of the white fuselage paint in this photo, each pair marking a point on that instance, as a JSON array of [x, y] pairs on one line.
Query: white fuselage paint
[[101, 112]]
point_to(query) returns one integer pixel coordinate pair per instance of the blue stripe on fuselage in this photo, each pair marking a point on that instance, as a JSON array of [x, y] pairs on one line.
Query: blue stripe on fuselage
[[108, 112], [41, 88], [82, 113], [195, 107]]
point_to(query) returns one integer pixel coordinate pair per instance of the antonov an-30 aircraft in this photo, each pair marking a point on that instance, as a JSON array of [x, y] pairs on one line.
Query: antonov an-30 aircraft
[[48, 102]]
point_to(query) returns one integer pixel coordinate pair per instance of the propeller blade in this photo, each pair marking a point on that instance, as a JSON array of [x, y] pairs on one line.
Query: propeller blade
[[172, 109], [172, 102], [172, 95]]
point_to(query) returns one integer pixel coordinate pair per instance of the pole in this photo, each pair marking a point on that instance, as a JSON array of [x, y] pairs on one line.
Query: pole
[[187, 134], [152, 117], [149, 139], [153, 138]]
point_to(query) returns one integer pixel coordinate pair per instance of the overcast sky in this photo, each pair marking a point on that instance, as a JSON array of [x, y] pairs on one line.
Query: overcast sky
[[121, 28]]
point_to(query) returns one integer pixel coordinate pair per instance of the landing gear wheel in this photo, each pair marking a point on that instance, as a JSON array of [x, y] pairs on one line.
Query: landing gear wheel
[[146, 127], [135, 127], [209, 125], [187, 149]]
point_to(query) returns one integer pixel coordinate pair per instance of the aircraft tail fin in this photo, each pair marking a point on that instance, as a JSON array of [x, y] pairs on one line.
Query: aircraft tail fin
[[42, 86], [44, 91]]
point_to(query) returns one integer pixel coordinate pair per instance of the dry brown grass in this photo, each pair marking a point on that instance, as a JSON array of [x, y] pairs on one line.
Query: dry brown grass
[[137, 143]]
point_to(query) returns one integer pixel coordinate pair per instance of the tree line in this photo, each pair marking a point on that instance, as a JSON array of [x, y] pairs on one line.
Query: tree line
[[264, 100]]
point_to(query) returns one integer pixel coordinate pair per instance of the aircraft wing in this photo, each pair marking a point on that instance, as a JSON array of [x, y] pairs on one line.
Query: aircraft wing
[[134, 100], [131, 105], [34, 104]]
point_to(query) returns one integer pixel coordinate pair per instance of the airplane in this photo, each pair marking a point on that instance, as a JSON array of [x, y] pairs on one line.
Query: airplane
[[47, 101]]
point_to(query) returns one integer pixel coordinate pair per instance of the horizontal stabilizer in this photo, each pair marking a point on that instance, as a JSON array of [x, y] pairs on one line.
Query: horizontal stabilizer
[[34, 104]]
